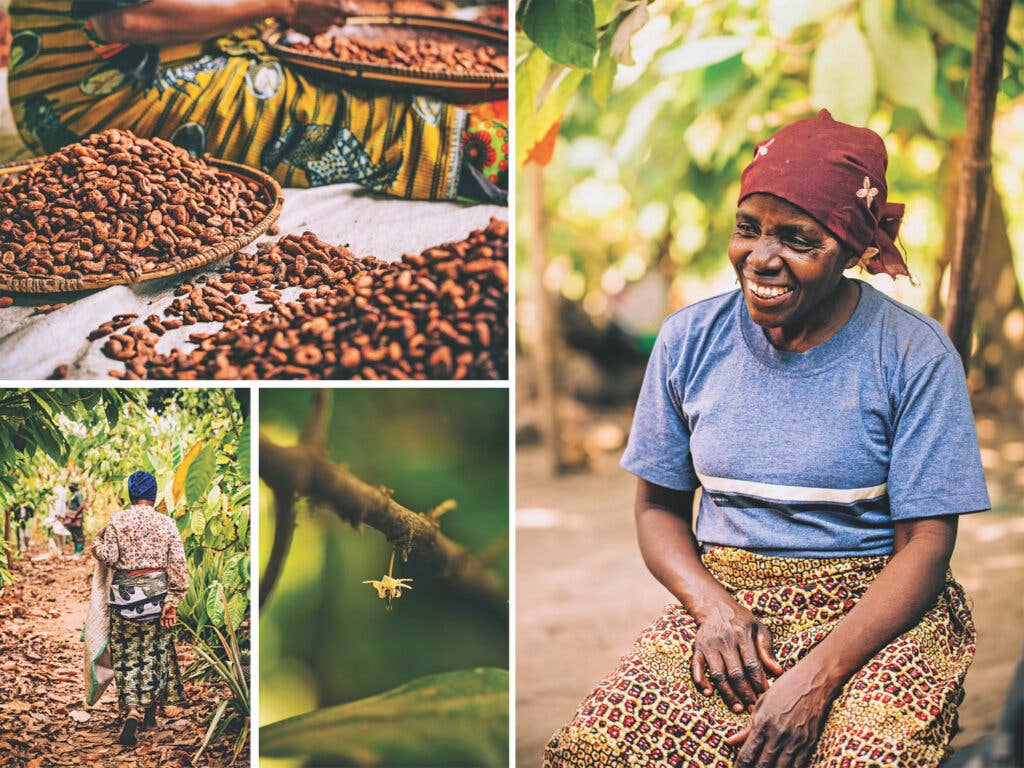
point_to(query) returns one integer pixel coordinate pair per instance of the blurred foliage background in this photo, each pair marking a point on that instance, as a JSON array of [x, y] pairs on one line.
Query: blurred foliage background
[[326, 638], [644, 115]]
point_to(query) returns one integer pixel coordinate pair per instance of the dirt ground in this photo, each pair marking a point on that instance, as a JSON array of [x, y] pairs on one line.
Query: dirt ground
[[44, 722], [583, 593]]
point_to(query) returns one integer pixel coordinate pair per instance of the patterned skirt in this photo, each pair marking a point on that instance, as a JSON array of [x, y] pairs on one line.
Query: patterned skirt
[[900, 709], [141, 651]]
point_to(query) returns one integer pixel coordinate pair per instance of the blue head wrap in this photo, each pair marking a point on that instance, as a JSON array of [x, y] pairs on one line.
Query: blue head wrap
[[141, 485]]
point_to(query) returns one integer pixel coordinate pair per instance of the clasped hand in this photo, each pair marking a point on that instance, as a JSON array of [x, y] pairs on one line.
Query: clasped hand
[[733, 655]]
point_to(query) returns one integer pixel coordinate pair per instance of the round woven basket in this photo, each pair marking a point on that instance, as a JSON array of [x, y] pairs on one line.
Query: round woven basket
[[269, 190], [459, 87]]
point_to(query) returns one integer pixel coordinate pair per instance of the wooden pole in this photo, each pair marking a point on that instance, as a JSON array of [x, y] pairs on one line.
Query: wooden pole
[[546, 337], [975, 173]]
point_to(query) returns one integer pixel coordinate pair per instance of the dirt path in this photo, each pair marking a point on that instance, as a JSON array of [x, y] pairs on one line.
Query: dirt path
[[583, 593], [44, 721]]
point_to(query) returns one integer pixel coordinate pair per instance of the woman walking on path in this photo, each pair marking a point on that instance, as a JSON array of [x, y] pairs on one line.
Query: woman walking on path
[[829, 428], [150, 579]]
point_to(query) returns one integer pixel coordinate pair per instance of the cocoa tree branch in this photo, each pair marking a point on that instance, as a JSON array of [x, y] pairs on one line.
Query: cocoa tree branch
[[284, 527], [312, 474]]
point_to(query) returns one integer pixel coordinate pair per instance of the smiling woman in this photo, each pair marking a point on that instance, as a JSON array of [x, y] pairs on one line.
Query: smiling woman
[[817, 623]]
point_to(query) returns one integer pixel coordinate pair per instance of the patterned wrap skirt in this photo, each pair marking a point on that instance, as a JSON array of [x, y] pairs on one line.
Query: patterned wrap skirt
[[900, 709], [141, 651], [232, 98]]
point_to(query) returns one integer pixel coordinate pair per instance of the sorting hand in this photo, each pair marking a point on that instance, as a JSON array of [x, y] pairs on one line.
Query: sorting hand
[[312, 16], [786, 724], [168, 616], [733, 652]]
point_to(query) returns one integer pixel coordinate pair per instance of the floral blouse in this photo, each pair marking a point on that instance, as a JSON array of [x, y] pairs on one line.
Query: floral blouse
[[141, 537]]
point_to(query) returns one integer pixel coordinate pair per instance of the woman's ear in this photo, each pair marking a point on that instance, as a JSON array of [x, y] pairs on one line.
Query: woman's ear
[[869, 253]]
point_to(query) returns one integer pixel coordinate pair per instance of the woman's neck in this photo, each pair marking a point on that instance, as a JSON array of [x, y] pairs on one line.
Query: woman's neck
[[820, 324]]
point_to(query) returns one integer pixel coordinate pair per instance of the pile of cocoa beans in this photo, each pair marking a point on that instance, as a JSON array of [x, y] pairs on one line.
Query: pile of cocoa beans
[[416, 53], [439, 314], [114, 206]]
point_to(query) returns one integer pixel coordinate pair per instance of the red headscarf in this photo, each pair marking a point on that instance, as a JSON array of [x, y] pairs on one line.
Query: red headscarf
[[836, 173]]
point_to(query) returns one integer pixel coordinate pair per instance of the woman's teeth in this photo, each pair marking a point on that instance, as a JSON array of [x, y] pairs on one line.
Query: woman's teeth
[[768, 291]]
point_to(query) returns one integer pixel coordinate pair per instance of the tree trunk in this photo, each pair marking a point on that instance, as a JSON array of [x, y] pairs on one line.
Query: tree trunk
[[976, 172], [547, 337], [998, 358]]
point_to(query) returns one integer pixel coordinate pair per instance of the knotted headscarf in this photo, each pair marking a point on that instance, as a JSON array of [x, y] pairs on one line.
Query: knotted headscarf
[[836, 173], [141, 485]]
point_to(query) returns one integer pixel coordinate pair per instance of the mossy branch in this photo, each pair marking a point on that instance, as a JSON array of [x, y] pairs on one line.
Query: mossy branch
[[305, 470]]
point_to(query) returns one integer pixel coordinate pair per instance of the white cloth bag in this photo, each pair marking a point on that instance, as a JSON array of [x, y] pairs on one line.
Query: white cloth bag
[[96, 636]]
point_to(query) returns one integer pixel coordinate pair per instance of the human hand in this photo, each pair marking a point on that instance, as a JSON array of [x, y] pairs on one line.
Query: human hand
[[168, 616], [733, 652], [786, 724], [100, 533], [312, 16]]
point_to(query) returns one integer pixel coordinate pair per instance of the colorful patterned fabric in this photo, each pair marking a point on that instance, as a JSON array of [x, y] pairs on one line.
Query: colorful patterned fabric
[[140, 537], [485, 146], [138, 595], [232, 99], [145, 663], [899, 710]]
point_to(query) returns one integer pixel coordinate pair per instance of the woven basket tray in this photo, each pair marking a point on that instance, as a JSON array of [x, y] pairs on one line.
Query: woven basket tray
[[458, 87], [269, 190]]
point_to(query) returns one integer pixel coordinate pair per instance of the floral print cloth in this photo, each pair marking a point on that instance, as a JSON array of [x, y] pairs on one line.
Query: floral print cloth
[[141, 537]]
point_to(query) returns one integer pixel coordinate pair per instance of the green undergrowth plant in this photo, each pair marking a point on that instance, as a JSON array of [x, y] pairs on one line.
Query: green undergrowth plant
[[224, 661]]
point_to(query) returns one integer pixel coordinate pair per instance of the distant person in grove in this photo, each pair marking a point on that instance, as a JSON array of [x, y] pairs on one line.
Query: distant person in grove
[[23, 514], [74, 519], [815, 621], [150, 578]]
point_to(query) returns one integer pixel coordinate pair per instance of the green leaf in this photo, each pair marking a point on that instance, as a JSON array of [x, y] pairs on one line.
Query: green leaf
[[214, 604], [177, 453], [200, 473], [955, 22], [112, 409], [244, 448], [605, 69], [721, 81], [904, 54], [452, 718], [843, 75], [197, 520], [701, 53], [231, 576], [787, 16], [543, 90], [237, 606], [563, 29]]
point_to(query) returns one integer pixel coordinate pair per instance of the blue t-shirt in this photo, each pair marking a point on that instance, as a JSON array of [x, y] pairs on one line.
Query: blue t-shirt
[[808, 454]]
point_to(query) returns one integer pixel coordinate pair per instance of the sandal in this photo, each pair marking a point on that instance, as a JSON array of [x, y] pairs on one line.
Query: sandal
[[127, 737]]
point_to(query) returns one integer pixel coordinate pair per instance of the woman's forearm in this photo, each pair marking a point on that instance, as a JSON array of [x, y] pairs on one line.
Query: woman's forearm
[[167, 22], [896, 600], [670, 550]]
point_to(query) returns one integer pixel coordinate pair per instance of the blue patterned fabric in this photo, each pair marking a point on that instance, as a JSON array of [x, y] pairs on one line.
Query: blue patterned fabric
[[141, 485]]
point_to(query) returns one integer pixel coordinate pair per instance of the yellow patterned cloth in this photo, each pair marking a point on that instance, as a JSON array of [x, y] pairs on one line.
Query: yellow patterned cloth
[[231, 98], [899, 710]]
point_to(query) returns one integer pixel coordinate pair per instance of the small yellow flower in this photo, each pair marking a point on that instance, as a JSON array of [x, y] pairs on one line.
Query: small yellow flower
[[389, 588]]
